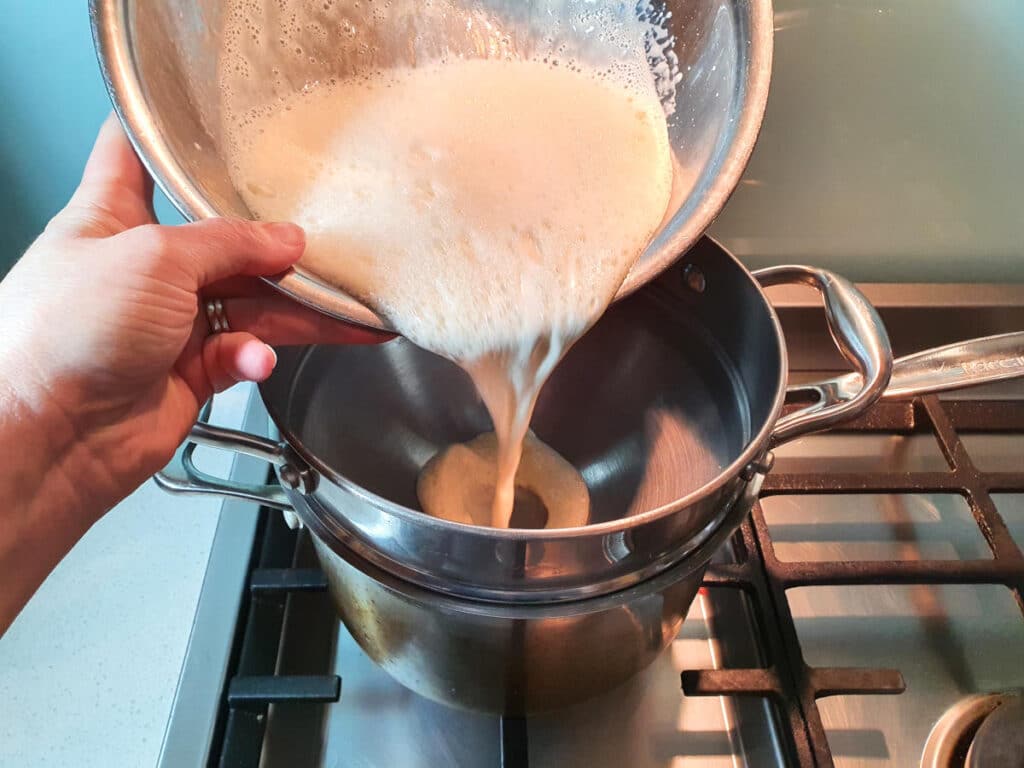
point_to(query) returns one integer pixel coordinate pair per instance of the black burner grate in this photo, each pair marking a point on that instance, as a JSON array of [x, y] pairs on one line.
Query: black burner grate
[[789, 681], [254, 684], [794, 686]]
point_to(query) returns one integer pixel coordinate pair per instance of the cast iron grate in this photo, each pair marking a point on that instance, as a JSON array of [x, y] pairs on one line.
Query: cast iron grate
[[789, 681], [253, 684]]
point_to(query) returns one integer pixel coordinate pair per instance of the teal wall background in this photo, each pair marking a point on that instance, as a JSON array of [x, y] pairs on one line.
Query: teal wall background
[[52, 101]]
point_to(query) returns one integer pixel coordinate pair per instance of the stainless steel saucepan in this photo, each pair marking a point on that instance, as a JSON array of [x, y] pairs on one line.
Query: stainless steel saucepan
[[669, 408]]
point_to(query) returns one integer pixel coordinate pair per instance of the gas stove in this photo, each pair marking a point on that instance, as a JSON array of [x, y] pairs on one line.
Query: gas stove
[[868, 613]]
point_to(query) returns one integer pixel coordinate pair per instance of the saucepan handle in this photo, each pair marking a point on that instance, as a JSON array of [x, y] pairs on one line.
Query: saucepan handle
[[954, 366], [861, 337], [182, 476]]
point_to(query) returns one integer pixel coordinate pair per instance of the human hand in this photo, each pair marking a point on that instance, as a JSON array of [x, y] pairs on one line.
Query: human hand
[[103, 321]]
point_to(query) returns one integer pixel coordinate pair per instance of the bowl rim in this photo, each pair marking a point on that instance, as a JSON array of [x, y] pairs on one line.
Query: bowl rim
[[110, 22]]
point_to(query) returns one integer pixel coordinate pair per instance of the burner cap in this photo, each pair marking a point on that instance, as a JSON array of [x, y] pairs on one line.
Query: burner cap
[[999, 742], [951, 744]]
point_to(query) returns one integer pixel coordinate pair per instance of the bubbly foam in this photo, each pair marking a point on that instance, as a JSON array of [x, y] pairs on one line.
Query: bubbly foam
[[271, 49], [490, 208]]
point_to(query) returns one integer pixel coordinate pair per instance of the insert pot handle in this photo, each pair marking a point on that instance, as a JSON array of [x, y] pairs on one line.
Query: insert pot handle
[[861, 337], [182, 476]]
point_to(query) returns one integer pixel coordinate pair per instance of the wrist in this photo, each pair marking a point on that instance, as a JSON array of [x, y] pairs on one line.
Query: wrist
[[47, 460], [42, 513]]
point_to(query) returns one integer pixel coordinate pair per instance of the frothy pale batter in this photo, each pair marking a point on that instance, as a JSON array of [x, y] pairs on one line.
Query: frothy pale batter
[[490, 209]]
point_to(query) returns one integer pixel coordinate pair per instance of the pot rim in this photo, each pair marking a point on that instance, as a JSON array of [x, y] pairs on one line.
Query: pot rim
[[753, 450], [692, 564]]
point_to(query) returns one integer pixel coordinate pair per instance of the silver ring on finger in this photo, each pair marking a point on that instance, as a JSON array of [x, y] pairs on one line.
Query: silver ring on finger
[[216, 317]]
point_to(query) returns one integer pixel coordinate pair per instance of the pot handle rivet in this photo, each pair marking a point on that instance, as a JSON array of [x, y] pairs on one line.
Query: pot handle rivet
[[295, 475], [693, 277], [290, 477], [757, 467]]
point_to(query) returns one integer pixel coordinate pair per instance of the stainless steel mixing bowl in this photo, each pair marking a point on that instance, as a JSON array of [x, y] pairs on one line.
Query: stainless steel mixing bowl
[[159, 61]]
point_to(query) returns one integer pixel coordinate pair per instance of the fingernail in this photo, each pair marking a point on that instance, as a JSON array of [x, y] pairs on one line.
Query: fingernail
[[273, 354], [290, 235]]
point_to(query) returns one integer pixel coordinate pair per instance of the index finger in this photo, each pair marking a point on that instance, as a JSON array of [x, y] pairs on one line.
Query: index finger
[[278, 320]]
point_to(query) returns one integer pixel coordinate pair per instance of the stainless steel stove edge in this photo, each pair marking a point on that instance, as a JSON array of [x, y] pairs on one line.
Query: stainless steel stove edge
[[189, 732]]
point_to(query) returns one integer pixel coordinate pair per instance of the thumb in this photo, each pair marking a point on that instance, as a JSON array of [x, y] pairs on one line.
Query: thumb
[[113, 166], [115, 193], [217, 249]]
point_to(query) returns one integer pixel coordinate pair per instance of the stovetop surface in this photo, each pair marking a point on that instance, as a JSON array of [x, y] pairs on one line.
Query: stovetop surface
[[648, 722], [946, 640]]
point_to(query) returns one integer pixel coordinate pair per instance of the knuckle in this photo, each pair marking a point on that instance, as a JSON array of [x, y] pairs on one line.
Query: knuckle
[[87, 219], [234, 232], [153, 243]]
